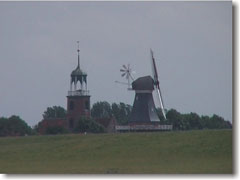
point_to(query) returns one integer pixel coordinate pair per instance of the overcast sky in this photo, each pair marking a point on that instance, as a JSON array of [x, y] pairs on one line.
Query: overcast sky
[[192, 43]]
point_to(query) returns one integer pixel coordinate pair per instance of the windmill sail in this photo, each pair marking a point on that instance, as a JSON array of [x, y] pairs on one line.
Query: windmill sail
[[126, 71], [156, 83]]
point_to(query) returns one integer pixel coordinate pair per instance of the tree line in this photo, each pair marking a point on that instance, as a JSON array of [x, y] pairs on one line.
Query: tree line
[[179, 121], [192, 121], [15, 126], [121, 112]]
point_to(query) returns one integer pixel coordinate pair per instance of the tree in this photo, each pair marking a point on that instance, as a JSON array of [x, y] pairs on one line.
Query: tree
[[218, 122], [3, 126], [194, 120], [185, 125], [121, 112], [215, 122], [14, 126], [174, 118], [55, 112], [205, 122], [85, 124], [101, 110]]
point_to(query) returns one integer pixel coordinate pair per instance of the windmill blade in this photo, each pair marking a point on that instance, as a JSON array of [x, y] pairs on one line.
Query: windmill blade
[[161, 102], [154, 68], [153, 75], [156, 82], [160, 95], [126, 70], [123, 74], [131, 77]]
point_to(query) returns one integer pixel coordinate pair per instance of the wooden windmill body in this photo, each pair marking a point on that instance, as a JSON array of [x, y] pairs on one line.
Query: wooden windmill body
[[144, 115]]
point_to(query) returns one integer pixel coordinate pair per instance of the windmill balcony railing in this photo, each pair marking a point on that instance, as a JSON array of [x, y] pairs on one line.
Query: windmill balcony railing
[[78, 93]]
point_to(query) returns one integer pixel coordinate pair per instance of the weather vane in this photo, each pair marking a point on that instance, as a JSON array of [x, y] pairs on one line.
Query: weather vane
[[78, 46]]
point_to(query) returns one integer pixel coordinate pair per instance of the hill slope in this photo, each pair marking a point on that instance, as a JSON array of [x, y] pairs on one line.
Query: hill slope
[[207, 151]]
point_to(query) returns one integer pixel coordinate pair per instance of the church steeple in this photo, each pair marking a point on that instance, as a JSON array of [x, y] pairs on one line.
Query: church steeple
[[78, 99], [78, 75]]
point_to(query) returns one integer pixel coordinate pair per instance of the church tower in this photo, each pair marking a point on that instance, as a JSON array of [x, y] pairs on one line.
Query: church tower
[[78, 99]]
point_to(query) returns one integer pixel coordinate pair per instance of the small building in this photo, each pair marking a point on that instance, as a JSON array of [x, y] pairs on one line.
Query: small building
[[51, 123]]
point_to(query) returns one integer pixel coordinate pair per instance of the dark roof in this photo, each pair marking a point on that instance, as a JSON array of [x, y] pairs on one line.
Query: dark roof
[[143, 83], [77, 72]]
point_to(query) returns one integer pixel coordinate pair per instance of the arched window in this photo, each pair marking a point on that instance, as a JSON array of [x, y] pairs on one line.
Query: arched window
[[87, 105], [71, 105]]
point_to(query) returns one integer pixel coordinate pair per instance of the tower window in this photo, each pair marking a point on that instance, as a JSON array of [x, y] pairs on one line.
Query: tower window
[[71, 105], [87, 105]]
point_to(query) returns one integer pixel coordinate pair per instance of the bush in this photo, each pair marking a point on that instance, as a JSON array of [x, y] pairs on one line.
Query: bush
[[88, 125]]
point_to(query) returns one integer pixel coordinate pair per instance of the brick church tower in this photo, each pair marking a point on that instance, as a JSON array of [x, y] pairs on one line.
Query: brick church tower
[[78, 99]]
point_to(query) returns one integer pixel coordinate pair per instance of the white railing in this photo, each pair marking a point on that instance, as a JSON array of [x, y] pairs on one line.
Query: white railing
[[78, 93], [143, 127]]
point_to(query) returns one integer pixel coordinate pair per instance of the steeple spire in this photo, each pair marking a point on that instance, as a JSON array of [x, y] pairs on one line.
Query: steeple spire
[[78, 54]]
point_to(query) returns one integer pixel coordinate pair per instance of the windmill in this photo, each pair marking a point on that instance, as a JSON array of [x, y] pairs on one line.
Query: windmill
[[144, 110]]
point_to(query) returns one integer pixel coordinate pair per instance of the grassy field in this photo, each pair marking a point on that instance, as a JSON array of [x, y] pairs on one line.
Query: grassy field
[[207, 151]]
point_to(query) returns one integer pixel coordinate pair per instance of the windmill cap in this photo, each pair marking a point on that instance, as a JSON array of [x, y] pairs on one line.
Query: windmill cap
[[143, 83]]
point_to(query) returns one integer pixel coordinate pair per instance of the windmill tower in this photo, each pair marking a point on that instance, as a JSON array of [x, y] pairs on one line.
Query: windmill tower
[[78, 99], [144, 110]]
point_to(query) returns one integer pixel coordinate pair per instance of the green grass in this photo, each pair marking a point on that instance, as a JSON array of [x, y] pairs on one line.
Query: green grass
[[195, 152]]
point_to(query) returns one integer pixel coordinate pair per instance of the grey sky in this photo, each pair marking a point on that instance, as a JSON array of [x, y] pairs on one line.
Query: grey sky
[[192, 42]]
